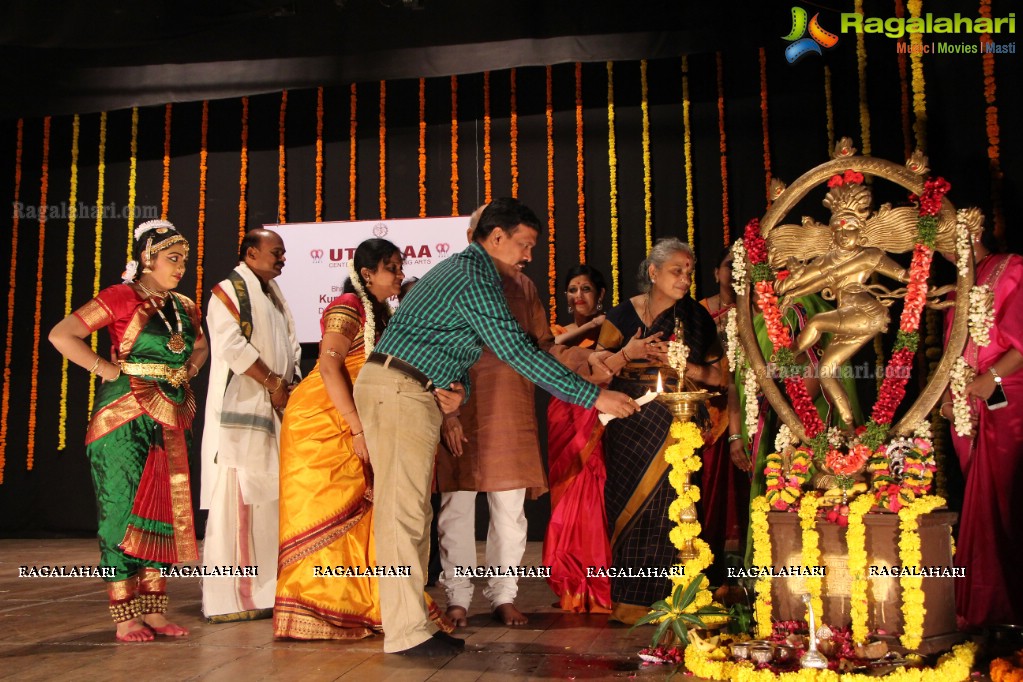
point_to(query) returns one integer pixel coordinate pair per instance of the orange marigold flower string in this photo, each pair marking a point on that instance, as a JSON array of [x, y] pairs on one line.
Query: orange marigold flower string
[[644, 106], [352, 151], [243, 175], [612, 160], [282, 170], [488, 180], [200, 236], [764, 125], [722, 142], [101, 171], [907, 126], [422, 147], [829, 110], [72, 219], [383, 150], [319, 154], [454, 145], [5, 402], [580, 161], [132, 175], [165, 193], [513, 121], [993, 130], [552, 274], [33, 396]]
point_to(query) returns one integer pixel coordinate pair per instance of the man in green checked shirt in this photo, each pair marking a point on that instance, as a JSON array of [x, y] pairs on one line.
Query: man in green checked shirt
[[419, 372]]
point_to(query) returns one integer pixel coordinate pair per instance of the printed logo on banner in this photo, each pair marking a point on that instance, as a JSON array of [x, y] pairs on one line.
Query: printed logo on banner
[[801, 45], [380, 230], [316, 255]]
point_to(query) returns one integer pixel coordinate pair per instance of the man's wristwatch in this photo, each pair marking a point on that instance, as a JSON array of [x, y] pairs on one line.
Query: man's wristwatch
[[998, 378]]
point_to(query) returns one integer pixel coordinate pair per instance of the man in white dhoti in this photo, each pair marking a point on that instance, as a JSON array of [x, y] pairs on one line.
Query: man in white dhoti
[[254, 362]]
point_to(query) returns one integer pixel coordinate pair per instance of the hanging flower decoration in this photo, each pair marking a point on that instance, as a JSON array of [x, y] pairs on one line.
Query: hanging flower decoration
[[964, 250], [919, 85], [513, 128], [165, 193], [319, 154], [369, 332], [907, 127], [132, 175], [5, 402], [383, 150], [909, 555], [734, 352], [740, 269], [722, 142], [422, 147], [961, 375], [454, 145], [750, 388], [861, 71], [992, 129], [783, 491], [552, 275], [612, 161], [352, 150], [580, 161], [282, 171], [829, 108], [644, 107], [68, 275], [33, 396], [687, 154], [765, 129], [488, 180], [200, 237], [761, 535], [101, 171], [243, 174], [811, 548], [982, 314], [856, 541], [784, 439]]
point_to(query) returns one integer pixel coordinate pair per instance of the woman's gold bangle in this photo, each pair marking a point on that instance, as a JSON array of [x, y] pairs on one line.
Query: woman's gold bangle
[[92, 370]]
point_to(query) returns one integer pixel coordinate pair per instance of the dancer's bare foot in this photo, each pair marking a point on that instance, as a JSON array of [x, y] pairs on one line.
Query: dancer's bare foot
[[458, 616], [509, 615], [133, 631], [159, 624]]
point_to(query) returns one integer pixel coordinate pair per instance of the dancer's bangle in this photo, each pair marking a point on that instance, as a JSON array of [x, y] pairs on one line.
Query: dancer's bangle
[[356, 435], [95, 365], [941, 410]]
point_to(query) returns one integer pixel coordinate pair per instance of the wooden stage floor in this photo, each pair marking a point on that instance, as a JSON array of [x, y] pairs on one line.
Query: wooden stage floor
[[60, 628]]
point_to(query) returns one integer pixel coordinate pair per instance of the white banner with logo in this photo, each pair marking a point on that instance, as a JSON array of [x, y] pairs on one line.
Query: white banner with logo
[[318, 254]]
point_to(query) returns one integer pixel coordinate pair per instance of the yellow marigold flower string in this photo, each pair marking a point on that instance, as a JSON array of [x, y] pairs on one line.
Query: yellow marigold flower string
[[422, 147], [200, 236], [487, 151], [282, 158], [5, 401], [33, 396], [687, 150], [612, 161], [644, 107], [352, 150], [861, 70], [919, 86], [761, 535], [722, 142], [580, 161], [68, 275], [165, 191], [132, 176], [913, 610], [552, 274], [513, 126], [856, 541], [383, 150], [454, 145], [243, 173], [319, 154], [101, 170], [811, 548]]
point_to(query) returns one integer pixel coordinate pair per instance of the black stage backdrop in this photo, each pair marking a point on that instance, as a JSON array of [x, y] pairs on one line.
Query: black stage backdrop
[[52, 494]]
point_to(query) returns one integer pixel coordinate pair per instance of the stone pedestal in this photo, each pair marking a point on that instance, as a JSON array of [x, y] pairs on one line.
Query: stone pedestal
[[884, 593]]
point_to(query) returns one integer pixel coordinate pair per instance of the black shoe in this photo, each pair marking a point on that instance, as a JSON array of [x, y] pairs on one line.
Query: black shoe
[[442, 636], [432, 647]]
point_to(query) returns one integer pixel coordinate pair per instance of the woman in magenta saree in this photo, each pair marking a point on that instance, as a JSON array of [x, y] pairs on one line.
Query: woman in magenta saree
[[990, 545]]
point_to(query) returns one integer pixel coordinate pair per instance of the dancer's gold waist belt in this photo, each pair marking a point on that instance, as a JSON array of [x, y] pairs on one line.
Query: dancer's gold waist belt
[[175, 376]]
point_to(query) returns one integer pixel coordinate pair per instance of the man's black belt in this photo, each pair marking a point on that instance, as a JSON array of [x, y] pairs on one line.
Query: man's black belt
[[403, 367]]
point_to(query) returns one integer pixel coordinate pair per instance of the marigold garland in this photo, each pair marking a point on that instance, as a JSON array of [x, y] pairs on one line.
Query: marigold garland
[[383, 150], [200, 236], [454, 145], [856, 542], [487, 152], [919, 85], [765, 128], [829, 110], [243, 173], [422, 147], [352, 151], [552, 275], [644, 107], [861, 70], [781, 490], [68, 275], [687, 151], [282, 170], [722, 142], [761, 534], [811, 548], [612, 162], [580, 161], [1007, 669], [513, 126], [993, 130], [913, 609], [33, 396], [165, 192], [907, 127], [101, 171], [132, 176], [319, 154], [11, 282]]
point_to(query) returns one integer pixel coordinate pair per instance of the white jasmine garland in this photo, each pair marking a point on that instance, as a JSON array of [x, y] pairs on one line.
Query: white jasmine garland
[[982, 314], [784, 438], [835, 437], [750, 388], [739, 267], [963, 250], [152, 225], [961, 375], [369, 330], [923, 430], [678, 353], [130, 270], [735, 354]]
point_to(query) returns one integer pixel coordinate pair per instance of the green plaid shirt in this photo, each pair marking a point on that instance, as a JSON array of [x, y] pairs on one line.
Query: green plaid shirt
[[457, 308]]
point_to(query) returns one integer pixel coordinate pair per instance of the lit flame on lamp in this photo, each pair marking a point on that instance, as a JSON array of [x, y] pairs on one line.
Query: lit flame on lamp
[[660, 384]]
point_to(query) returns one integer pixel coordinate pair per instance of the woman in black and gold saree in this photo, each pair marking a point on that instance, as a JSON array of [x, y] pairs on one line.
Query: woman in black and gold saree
[[637, 493]]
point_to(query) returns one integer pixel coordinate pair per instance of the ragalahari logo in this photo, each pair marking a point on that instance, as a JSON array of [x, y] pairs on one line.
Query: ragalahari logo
[[802, 44]]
